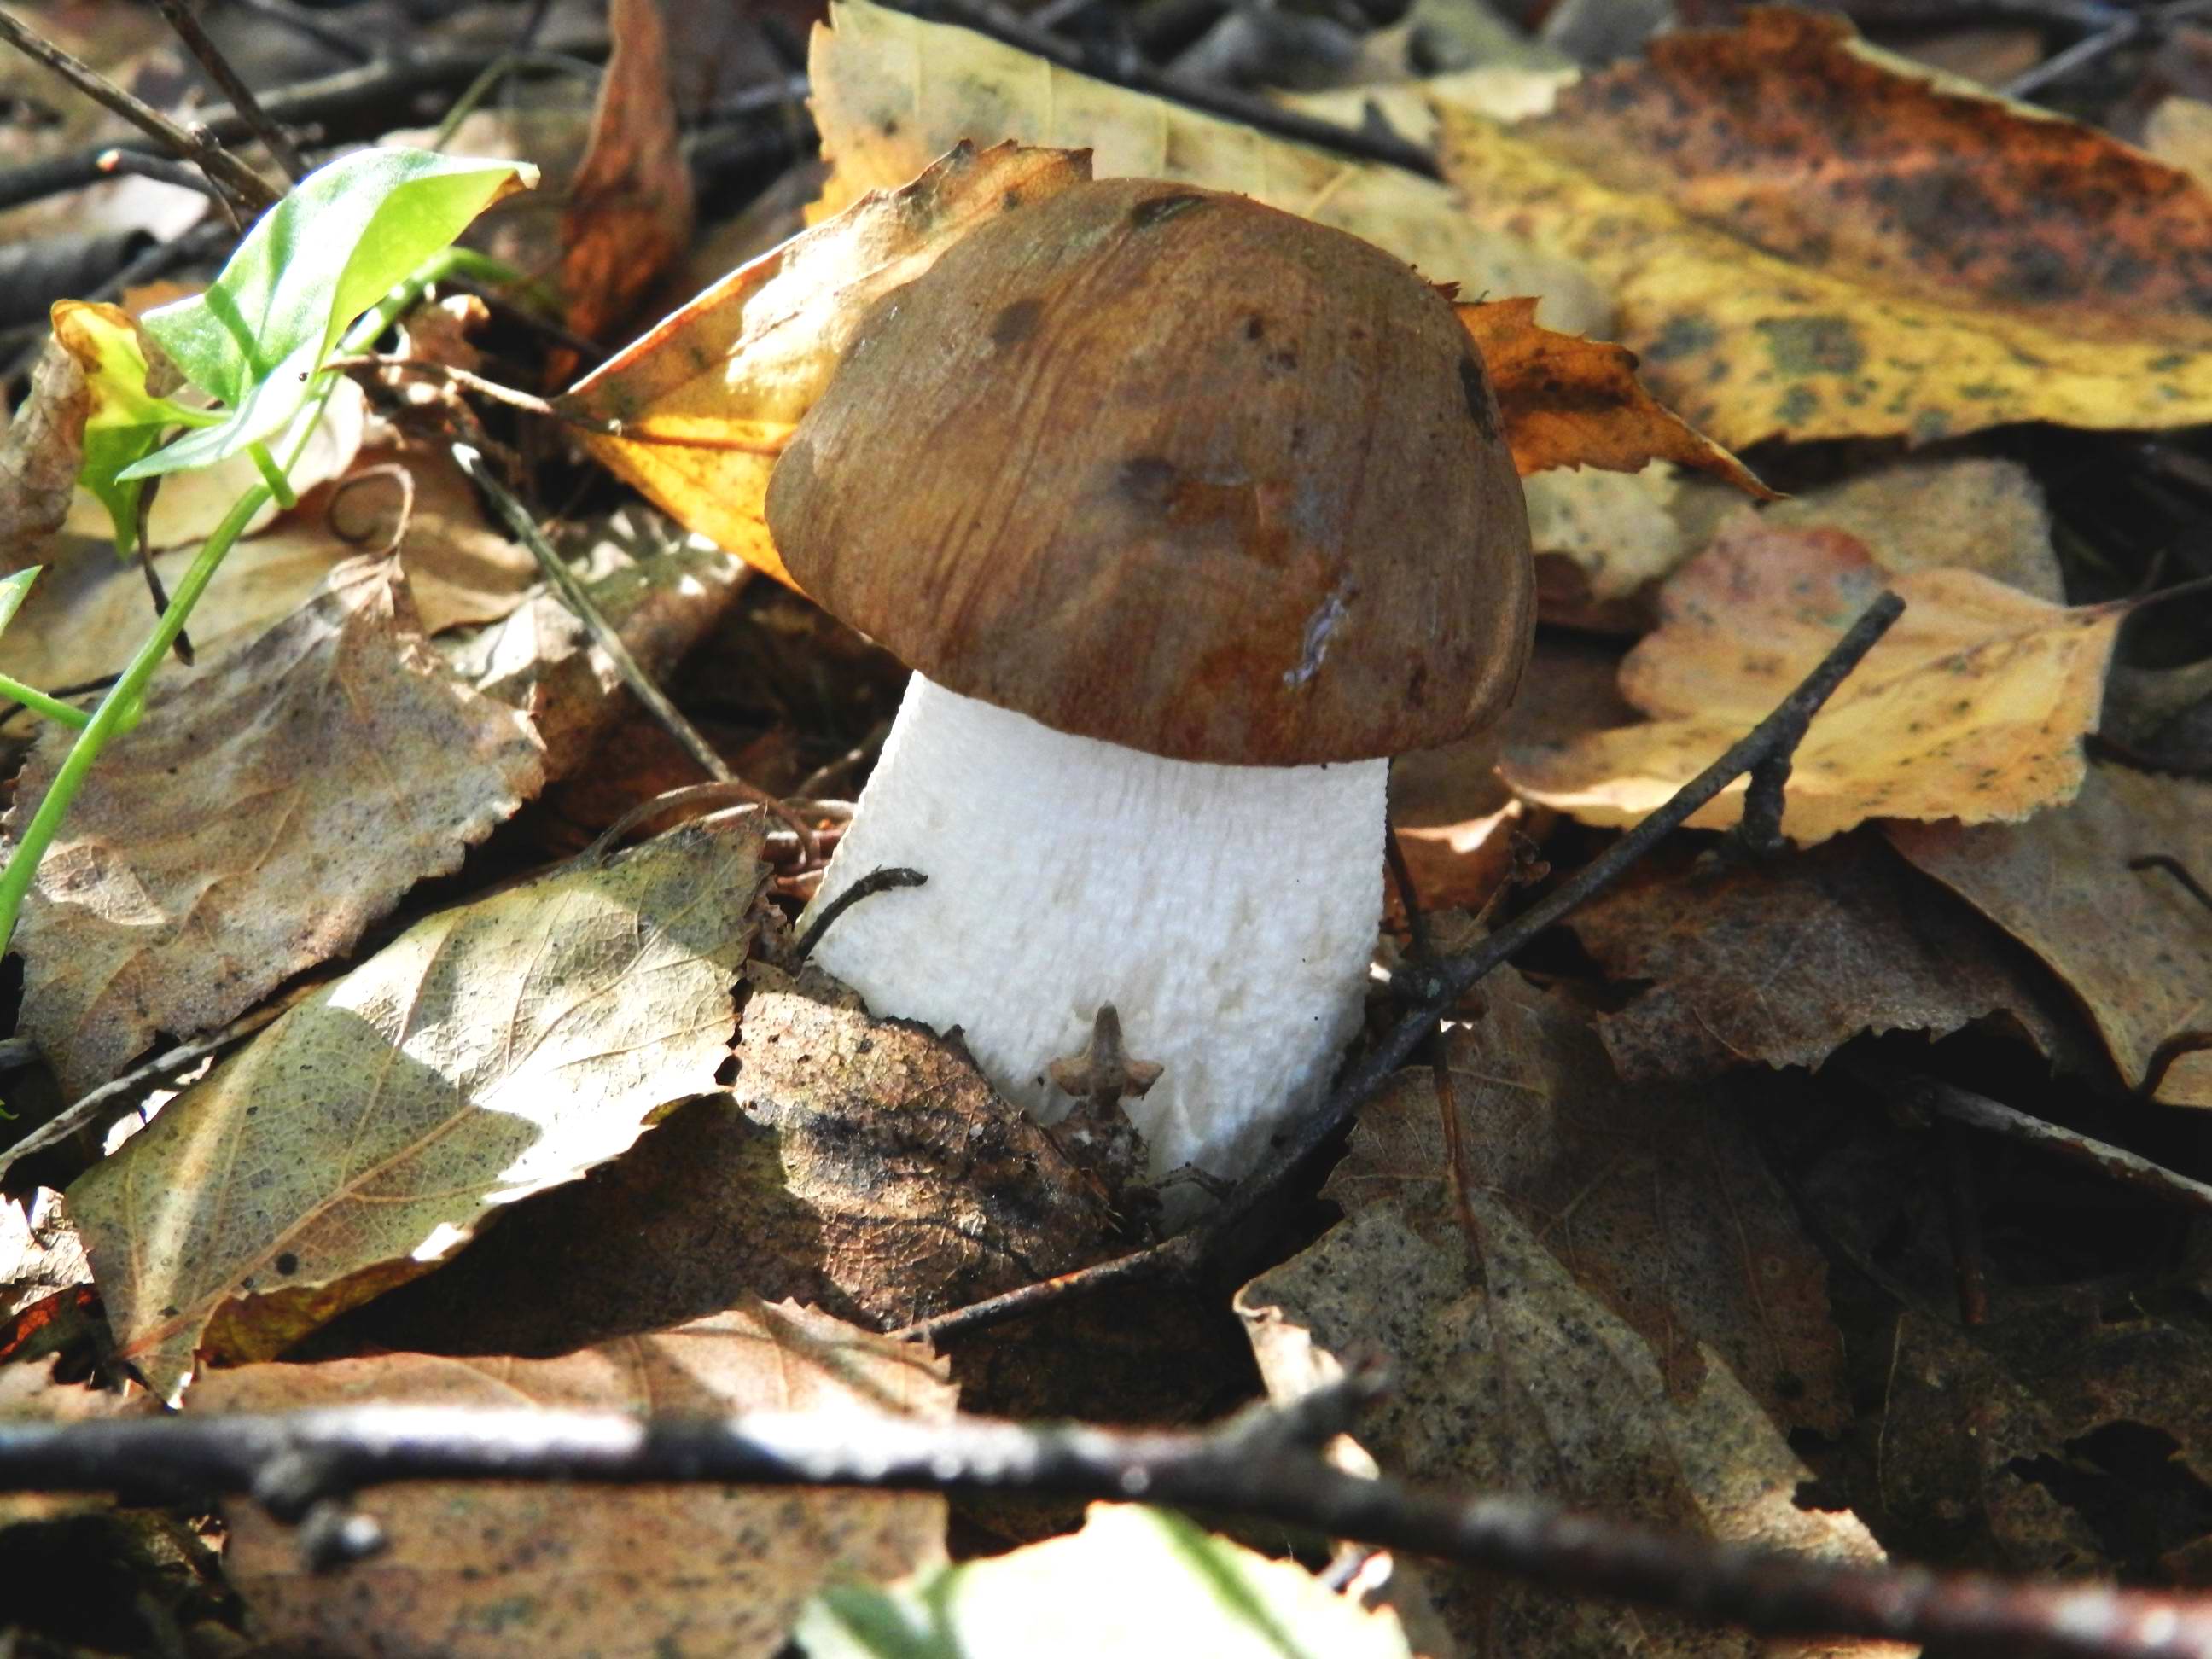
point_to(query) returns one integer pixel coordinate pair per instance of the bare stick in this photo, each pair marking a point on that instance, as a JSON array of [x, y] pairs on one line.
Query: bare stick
[[721, 792], [1438, 987], [876, 881], [201, 147], [305, 1466], [242, 101]]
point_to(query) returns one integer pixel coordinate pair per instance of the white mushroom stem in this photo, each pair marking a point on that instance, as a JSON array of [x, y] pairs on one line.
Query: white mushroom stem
[[1228, 912]]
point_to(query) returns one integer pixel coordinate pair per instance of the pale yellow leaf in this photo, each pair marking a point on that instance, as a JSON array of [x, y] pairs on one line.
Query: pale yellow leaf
[[490, 1052], [1972, 707]]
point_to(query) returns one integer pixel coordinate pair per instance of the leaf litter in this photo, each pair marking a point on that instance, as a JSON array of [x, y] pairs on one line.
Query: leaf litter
[[1736, 1305]]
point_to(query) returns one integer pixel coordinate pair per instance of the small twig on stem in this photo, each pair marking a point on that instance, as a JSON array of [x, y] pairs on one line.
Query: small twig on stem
[[1188, 1251], [876, 881], [1258, 1466], [201, 147], [210, 57]]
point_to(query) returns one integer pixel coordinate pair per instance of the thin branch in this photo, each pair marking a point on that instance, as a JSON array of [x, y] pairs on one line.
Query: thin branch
[[579, 601], [884, 880], [201, 147], [722, 793], [306, 1466], [210, 57], [1439, 988]]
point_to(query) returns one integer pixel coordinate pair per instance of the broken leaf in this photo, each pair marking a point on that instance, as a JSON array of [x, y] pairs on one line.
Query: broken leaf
[[1565, 401], [1972, 706], [1072, 1598], [1808, 238], [708, 397], [220, 847], [490, 1052], [1782, 962], [2133, 944], [489, 1568], [892, 93]]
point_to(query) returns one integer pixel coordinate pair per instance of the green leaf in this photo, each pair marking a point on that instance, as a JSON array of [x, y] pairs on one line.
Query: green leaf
[[124, 416], [328, 251], [13, 592], [1134, 1580]]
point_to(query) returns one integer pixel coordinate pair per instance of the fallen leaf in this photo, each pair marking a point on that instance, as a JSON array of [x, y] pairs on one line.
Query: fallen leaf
[[218, 850], [1571, 402], [708, 397], [1972, 706], [1072, 1598], [487, 1567], [459, 570], [629, 211], [892, 93], [1808, 238], [1584, 1293], [2133, 945], [1964, 513], [490, 1052], [1782, 962], [1620, 530], [862, 1166], [40, 454]]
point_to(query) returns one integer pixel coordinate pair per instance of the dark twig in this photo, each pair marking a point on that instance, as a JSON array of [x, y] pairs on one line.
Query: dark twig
[[724, 792], [248, 108], [1001, 22], [1409, 897], [202, 147], [160, 168], [2174, 867], [1187, 1252], [876, 881], [310, 1464]]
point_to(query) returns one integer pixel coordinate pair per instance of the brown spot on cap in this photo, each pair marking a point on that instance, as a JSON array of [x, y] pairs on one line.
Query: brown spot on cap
[[1159, 209], [1015, 323]]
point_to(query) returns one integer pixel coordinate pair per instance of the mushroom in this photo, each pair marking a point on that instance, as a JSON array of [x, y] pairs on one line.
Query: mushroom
[[1187, 514]]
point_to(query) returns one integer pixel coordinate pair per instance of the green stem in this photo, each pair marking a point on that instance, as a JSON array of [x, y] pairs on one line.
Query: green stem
[[114, 713], [39, 703], [273, 475]]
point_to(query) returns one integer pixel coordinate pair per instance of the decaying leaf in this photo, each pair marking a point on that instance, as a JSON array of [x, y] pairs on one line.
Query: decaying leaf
[[892, 93], [490, 1052], [861, 1166], [1571, 402], [628, 214], [494, 1569], [219, 849], [709, 397], [1620, 530], [1811, 239], [1072, 1598], [2133, 945], [43, 447], [1972, 706], [1583, 1293], [1782, 962]]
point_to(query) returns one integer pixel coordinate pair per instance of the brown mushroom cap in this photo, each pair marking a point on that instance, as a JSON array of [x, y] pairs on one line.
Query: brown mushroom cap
[[1170, 468]]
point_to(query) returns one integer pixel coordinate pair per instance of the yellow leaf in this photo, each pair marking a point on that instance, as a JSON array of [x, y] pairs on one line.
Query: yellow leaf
[[892, 93], [490, 1052], [1810, 239], [708, 399], [1972, 707]]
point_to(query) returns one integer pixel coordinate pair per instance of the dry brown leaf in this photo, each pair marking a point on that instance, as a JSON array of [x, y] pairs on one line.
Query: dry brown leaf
[[1569, 402], [1808, 238], [39, 456], [656, 1572], [267, 810], [490, 1052], [459, 570], [2133, 945], [892, 93], [709, 397], [1583, 1294], [1782, 962], [628, 214], [1972, 706]]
